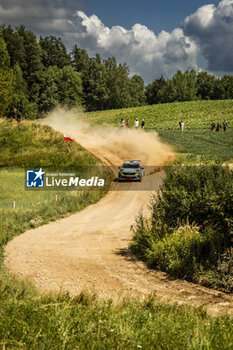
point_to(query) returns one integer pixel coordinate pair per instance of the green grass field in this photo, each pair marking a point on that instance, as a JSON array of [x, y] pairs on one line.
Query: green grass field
[[30, 146], [198, 143], [34, 208]]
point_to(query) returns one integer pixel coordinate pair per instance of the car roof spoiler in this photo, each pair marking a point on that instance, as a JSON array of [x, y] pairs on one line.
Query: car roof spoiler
[[134, 160]]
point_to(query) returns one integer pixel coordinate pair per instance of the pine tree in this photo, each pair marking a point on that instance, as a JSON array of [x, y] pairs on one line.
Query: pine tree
[[15, 46], [137, 91], [80, 60], [205, 85], [94, 85], [152, 90], [34, 67], [6, 79]]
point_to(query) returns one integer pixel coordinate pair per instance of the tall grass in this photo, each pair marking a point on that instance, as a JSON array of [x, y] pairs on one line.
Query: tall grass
[[32, 321], [31, 145]]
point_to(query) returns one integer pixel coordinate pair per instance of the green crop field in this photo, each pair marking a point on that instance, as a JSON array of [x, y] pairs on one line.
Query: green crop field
[[200, 146], [195, 114], [197, 144]]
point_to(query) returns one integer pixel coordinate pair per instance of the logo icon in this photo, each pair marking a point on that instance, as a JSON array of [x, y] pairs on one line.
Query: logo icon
[[35, 178]]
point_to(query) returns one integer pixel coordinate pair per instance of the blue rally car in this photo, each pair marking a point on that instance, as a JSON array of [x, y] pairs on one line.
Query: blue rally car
[[131, 170]]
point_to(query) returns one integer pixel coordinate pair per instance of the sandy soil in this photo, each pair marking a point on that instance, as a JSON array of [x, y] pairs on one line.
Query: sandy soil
[[89, 250]]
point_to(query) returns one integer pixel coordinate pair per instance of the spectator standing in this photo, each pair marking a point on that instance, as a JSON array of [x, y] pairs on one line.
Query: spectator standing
[[143, 124], [212, 126], [225, 124], [136, 123], [14, 113], [127, 123], [218, 127], [122, 123], [181, 123], [18, 116]]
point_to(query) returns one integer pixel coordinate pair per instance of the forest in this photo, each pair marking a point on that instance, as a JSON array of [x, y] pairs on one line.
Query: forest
[[36, 75]]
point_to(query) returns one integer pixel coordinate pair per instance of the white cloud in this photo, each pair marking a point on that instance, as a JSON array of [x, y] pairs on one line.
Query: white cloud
[[212, 28], [144, 52]]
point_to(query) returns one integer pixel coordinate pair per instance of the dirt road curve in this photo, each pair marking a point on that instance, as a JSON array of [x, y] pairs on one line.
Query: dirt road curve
[[88, 250]]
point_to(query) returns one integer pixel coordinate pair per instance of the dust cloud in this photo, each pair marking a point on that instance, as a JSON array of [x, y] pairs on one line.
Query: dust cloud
[[112, 145]]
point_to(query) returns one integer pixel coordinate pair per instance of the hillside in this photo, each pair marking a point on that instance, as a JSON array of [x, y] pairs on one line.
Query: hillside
[[29, 144], [196, 115], [197, 144]]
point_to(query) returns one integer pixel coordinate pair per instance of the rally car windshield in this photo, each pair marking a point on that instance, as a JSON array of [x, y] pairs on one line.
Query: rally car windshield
[[131, 166]]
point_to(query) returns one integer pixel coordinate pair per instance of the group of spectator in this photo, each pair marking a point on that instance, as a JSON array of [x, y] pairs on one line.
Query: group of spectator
[[214, 127], [218, 127], [136, 123]]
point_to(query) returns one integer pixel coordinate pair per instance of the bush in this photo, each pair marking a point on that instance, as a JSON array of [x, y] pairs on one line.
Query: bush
[[179, 252], [222, 276], [203, 196]]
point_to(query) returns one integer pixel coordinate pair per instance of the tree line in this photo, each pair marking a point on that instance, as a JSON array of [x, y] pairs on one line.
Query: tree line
[[189, 86], [37, 75]]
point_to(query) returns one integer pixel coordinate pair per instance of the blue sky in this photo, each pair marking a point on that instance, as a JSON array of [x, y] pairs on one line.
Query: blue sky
[[157, 14], [152, 37]]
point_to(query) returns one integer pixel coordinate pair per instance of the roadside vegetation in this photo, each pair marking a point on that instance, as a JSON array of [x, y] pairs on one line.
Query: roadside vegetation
[[190, 232]]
